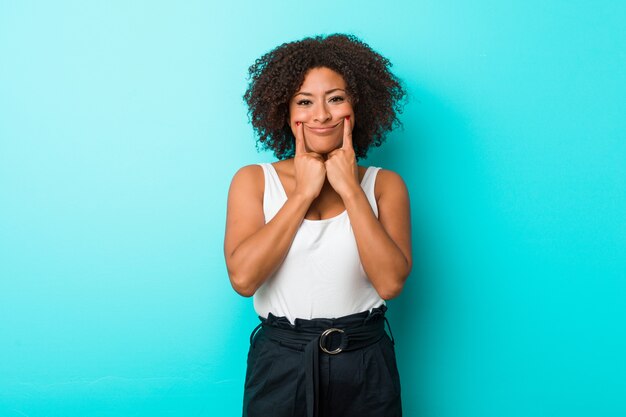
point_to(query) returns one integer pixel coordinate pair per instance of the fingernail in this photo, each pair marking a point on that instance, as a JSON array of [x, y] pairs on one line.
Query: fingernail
[[347, 117]]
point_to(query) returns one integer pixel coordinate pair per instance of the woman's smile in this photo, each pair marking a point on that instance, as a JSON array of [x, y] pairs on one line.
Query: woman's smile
[[322, 130]]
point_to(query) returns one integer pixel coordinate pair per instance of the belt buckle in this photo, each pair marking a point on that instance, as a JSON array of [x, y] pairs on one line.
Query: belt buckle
[[323, 337]]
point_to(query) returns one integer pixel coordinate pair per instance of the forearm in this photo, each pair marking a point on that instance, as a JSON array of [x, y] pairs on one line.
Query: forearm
[[258, 256], [383, 261]]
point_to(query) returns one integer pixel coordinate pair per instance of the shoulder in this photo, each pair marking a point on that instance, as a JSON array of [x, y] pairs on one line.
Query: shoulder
[[249, 178], [389, 182], [248, 173]]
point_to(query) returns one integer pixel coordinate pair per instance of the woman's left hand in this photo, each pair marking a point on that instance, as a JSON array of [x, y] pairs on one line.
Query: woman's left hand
[[341, 168]]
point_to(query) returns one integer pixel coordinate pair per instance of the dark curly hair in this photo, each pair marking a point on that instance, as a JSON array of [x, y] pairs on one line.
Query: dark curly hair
[[376, 94]]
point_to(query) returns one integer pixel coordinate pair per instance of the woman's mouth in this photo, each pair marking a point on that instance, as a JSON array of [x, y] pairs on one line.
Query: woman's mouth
[[322, 130]]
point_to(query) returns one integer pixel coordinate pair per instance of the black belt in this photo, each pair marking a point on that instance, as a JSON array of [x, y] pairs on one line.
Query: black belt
[[354, 332]]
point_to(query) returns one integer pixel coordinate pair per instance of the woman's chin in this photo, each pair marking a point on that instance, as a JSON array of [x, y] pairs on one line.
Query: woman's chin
[[323, 150]]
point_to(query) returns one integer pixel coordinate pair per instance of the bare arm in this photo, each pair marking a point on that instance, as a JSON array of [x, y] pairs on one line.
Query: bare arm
[[384, 243], [253, 249]]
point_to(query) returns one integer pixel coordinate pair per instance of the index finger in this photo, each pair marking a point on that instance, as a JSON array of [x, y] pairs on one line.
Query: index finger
[[347, 134], [299, 133]]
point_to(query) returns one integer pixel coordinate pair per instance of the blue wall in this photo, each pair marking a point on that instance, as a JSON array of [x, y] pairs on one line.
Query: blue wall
[[121, 124]]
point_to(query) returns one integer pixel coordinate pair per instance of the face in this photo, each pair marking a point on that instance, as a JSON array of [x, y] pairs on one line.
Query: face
[[321, 104]]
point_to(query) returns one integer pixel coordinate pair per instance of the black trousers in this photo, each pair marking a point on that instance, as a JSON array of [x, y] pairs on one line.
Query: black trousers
[[361, 382]]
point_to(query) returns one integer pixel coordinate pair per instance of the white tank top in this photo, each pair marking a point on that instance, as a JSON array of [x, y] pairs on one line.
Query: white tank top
[[322, 275]]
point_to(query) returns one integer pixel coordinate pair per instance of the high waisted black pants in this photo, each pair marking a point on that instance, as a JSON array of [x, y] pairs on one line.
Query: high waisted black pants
[[353, 383]]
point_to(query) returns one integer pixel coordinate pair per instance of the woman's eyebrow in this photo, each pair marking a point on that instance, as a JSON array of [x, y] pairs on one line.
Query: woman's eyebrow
[[304, 93]]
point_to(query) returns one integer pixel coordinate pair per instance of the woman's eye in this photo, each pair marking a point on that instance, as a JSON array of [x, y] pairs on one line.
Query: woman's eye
[[303, 102], [336, 99]]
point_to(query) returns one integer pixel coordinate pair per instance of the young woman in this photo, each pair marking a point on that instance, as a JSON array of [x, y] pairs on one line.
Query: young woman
[[319, 241]]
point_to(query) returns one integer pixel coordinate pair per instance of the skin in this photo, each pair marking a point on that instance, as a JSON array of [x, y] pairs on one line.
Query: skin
[[321, 181]]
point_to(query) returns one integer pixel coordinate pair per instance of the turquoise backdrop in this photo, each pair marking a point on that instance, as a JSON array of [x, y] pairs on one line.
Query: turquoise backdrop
[[122, 123]]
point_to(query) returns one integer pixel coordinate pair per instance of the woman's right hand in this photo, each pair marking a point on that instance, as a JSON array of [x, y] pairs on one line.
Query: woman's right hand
[[253, 247], [310, 171]]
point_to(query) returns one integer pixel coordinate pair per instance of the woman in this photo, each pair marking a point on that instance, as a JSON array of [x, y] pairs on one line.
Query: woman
[[319, 241]]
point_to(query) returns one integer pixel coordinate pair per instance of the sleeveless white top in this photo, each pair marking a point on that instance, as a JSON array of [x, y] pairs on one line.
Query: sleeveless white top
[[322, 275]]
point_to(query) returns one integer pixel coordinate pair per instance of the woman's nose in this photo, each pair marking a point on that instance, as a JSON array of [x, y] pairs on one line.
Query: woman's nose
[[322, 114]]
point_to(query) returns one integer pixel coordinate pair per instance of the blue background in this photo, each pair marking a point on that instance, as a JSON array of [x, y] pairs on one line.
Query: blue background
[[122, 123]]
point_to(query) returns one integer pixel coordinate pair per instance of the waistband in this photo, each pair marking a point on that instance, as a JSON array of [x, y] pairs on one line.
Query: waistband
[[329, 336]]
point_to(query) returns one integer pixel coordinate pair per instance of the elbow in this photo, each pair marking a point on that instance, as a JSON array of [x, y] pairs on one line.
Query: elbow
[[242, 289], [393, 287], [240, 279], [390, 291], [241, 284]]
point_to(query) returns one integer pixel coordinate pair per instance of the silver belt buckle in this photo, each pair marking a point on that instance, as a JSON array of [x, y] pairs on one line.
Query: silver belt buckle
[[323, 337]]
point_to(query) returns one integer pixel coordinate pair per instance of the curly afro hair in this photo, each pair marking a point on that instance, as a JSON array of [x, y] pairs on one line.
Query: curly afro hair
[[377, 95]]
